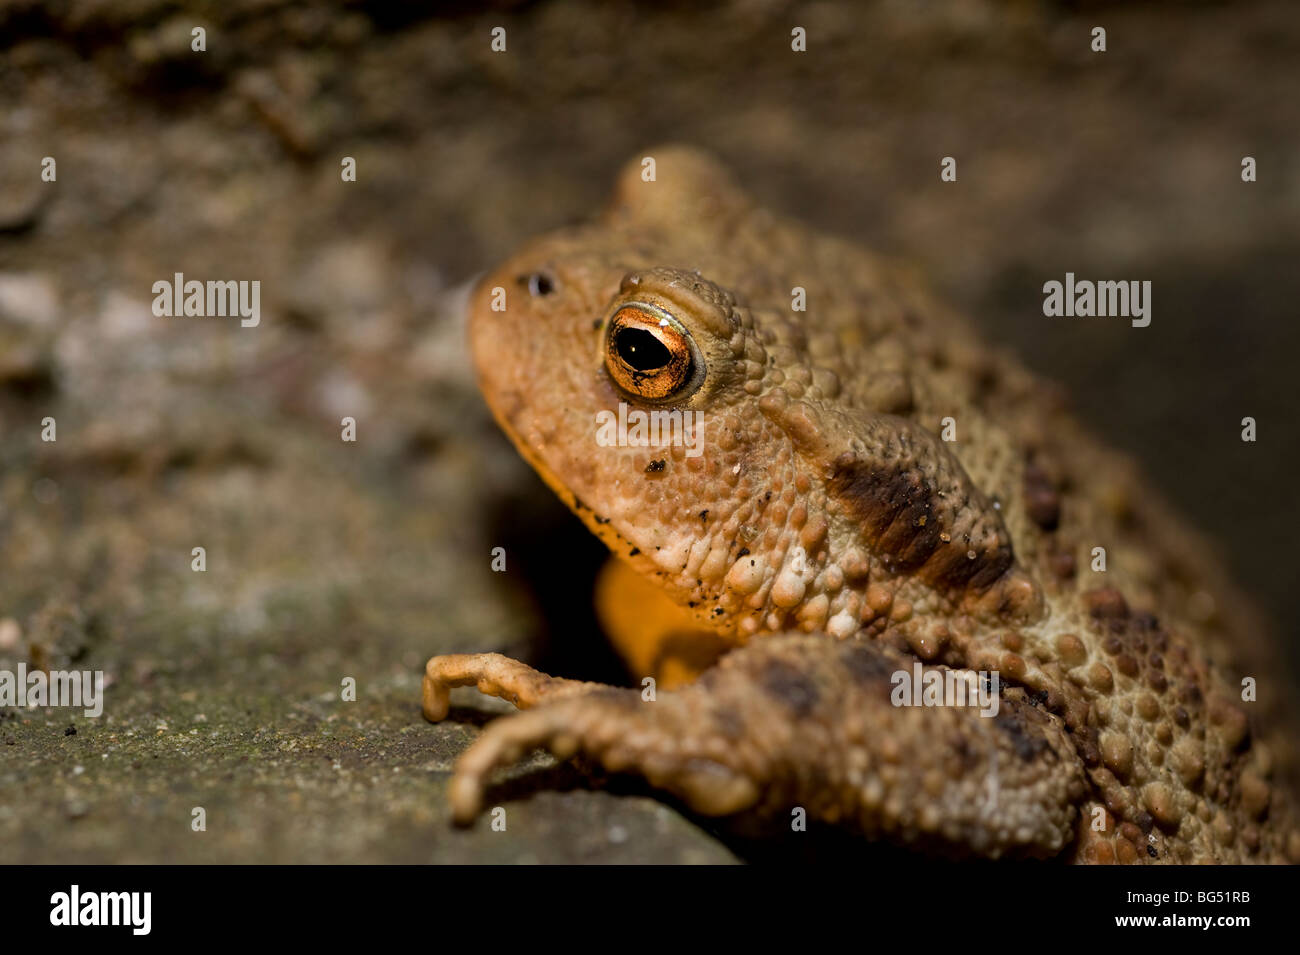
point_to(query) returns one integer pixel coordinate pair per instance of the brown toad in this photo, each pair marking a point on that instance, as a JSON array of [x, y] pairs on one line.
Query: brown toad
[[810, 506]]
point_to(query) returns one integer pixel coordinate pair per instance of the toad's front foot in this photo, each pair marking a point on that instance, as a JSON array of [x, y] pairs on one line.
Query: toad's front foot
[[494, 675], [622, 732], [793, 721]]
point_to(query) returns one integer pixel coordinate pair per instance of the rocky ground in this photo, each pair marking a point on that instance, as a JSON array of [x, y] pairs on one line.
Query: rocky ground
[[329, 560]]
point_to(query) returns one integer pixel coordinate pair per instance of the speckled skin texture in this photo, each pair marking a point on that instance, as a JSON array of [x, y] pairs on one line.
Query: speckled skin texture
[[830, 534]]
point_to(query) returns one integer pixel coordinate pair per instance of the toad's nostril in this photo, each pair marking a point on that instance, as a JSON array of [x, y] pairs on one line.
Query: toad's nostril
[[539, 283]]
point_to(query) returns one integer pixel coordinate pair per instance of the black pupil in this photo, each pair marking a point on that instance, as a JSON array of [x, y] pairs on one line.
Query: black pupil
[[641, 350], [539, 283]]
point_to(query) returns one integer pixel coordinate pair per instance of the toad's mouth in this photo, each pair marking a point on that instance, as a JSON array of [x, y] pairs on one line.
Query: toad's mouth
[[599, 524]]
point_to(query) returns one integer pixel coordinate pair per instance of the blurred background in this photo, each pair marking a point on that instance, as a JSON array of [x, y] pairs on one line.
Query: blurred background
[[328, 560]]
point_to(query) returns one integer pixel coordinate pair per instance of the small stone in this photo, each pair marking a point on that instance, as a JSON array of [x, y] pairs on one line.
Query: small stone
[[28, 299]]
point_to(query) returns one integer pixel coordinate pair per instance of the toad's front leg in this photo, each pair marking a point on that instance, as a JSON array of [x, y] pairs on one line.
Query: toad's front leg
[[800, 720]]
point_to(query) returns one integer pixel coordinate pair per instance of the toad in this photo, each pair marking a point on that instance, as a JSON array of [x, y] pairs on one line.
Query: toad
[[819, 488]]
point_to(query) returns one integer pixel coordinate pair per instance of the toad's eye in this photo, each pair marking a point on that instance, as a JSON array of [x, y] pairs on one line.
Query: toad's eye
[[651, 355], [539, 283]]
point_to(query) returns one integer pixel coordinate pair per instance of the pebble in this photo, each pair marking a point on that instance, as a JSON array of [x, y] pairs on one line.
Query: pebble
[[28, 298]]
